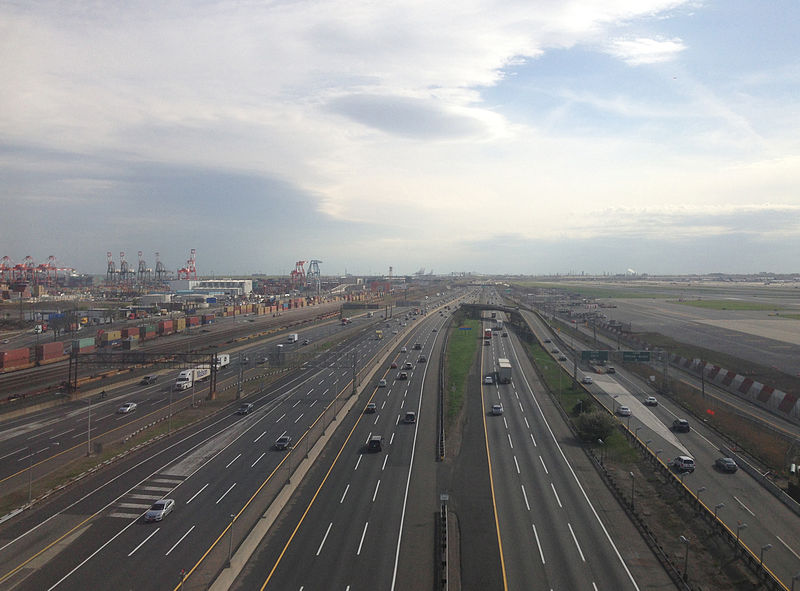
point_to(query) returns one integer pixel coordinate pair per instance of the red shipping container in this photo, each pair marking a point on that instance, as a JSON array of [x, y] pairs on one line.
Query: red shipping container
[[16, 354], [48, 350], [89, 349], [193, 320]]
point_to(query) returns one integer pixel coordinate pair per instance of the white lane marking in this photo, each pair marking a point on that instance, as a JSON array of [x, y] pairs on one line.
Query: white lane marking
[[386, 457], [312, 404], [357, 463], [594, 586], [533, 440], [377, 486], [280, 417], [364, 533], [60, 434], [744, 506], [328, 389], [556, 494], [295, 404], [516, 463], [526, 422], [259, 437], [346, 488], [505, 422], [41, 433], [538, 544], [325, 537], [253, 465], [524, 494], [382, 405], [391, 439], [233, 460], [13, 453], [520, 407], [577, 545], [300, 417], [310, 391], [323, 381], [788, 547], [543, 466], [509, 440], [141, 544], [376, 419], [179, 541], [105, 416], [225, 493], [197, 493]]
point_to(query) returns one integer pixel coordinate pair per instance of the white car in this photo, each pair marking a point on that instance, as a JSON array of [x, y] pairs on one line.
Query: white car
[[382, 383], [403, 350], [651, 401], [587, 379], [497, 409], [488, 380], [624, 411], [159, 510], [126, 408]]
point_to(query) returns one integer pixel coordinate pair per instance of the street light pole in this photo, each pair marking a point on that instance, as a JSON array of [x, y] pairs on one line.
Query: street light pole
[[794, 578], [169, 413], [699, 490], [89, 431], [633, 487], [764, 548], [717, 507], [739, 527], [30, 474], [230, 541], [685, 540]]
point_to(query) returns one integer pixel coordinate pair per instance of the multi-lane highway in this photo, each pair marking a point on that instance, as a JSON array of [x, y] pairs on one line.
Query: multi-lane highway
[[548, 529], [212, 471]]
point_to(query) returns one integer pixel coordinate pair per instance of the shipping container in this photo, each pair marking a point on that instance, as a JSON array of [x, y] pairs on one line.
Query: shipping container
[[54, 359], [129, 344], [165, 327], [180, 324], [85, 342], [129, 331], [49, 350], [86, 349], [193, 320], [16, 354], [207, 318], [111, 335]]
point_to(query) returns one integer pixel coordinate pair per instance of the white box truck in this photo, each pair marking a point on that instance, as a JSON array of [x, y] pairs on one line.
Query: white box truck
[[188, 377], [503, 371], [293, 338], [223, 359]]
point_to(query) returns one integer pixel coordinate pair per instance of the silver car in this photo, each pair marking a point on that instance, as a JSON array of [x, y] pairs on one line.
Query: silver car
[[159, 510]]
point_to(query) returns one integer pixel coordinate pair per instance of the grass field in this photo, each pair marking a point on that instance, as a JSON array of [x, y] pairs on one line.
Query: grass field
[[461, 347]]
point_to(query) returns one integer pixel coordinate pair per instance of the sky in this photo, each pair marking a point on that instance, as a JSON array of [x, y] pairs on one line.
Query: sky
[[523, 137]]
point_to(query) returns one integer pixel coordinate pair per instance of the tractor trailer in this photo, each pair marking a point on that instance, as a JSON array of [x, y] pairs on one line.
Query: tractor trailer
[[503, 371], [188, 377]]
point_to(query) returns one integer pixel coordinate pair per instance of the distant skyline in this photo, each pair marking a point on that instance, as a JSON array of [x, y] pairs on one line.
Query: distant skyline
[[524, 137]]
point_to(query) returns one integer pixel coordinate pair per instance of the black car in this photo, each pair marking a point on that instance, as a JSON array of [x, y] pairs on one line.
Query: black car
[[148, 380], [422, 359], [245, 408], [726, 465], [283, 442], [680, 425]]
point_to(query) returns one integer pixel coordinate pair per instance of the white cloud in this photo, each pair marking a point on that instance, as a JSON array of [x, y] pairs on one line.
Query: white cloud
[[641, 50]]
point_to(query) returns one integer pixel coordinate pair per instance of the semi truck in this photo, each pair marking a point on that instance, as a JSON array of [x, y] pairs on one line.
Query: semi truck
[[293, 338], [487, 333], [223, 359], [188, 377], [503, 371]]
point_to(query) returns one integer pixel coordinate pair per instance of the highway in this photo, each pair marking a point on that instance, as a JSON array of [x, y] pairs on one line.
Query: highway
[[736, 498], [212, 471], [345, 530], [548, 529]]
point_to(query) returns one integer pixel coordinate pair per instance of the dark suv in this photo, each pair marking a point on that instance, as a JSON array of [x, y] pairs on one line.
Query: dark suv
[[680, 425]]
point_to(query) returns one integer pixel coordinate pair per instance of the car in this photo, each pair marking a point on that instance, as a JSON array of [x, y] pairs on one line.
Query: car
[[435, 330], [371, 408], [402, 375], [393, 365], [148, 380], [407, 365], [410, 417], [610, 369], [555, 350], [422, 359], [283, 442], [548, 341], [394, 331], [159, 510], [262, 360], [505, 334], [306, 341], [403, 350], [375, 444], [126, 408], [487, 343], [497, 409], [417, 346], [245, 408], [680, 425], [488, 380], [650, 401], [726, 465], [586, 379], [562, 357], [683, 464], [623, 411], [381, 383]]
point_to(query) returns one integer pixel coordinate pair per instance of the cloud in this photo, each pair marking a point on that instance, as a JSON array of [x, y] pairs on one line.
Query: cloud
[[641, 50]]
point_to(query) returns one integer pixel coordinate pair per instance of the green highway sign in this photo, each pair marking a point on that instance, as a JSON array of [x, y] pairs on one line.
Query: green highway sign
[[636, 355], [594, 356]]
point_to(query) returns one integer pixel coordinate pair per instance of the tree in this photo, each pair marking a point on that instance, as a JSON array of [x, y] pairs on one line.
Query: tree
[[594, 425]]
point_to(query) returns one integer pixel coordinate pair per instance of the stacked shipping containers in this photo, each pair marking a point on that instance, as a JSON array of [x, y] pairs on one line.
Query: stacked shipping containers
[[110, 338], [207, 318], [165, 328], [193, 321], [147, 332], [83, 345], [50, 352], [180, 324]]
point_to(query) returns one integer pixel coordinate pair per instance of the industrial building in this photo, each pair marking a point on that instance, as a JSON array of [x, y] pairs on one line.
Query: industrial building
[[234, 287]]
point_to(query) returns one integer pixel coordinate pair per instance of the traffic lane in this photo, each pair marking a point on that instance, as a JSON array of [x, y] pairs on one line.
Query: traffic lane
[[214, 503]]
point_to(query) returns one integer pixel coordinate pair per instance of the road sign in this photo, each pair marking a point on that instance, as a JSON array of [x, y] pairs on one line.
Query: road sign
[[636, 355], [464, 328], [594, 355]]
